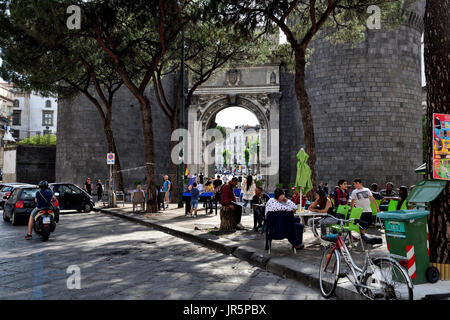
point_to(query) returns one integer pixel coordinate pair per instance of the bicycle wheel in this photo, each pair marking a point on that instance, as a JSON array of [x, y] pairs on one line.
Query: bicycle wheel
[[329, 271], [389, 281]]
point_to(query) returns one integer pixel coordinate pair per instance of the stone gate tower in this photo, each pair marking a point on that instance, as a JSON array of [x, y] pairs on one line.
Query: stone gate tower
[[366, 104]]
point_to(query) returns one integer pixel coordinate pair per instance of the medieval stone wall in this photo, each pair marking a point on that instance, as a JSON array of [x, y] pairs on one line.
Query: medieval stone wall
[[366, 104], [82, 147]]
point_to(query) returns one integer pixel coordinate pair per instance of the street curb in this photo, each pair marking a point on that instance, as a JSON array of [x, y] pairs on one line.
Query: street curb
[[281, 266]]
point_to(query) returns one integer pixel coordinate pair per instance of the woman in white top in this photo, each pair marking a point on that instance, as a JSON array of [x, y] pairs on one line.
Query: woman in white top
[[248, 189]]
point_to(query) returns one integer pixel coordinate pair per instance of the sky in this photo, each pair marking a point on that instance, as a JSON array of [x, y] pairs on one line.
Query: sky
[[235, 116]]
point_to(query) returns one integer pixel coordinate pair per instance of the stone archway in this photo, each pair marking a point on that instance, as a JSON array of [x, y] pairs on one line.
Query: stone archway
[[265, 106]]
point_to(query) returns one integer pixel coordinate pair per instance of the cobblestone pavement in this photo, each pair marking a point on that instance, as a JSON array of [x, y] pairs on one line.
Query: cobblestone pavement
[[123, 260]]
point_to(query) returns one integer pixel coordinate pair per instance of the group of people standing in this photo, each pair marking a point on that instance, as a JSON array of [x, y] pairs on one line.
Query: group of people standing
[[98, 187]]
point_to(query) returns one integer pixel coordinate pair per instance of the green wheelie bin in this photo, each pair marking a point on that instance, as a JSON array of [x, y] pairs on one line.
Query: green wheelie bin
[[407, 241]]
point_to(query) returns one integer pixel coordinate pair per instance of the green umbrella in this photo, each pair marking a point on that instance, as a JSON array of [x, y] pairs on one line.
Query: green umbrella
[[303, 182]]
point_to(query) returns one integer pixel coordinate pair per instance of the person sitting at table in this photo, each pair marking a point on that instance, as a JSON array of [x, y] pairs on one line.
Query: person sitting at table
[[258, 202], [296, 197], [209, 187], [322, 204], [401, 198], [281, 203], [226, 199], [375, 193], [388, 193]]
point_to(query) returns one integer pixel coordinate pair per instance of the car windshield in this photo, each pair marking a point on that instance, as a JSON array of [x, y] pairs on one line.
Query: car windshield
[[28, 194], [6, 189]]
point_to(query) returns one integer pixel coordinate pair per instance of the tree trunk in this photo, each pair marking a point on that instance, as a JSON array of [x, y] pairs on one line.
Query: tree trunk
[[305, 111], [228, 219], [437, 71], [147, 125]]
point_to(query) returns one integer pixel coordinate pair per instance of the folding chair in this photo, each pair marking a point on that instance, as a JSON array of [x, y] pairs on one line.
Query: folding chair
[[281, 225]]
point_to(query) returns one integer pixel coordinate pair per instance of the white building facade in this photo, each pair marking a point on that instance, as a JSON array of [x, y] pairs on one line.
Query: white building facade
[[33, 115], [6, 106], [235, 143]]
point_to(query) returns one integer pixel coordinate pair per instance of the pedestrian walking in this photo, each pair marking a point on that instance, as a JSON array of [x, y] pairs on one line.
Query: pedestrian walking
[[99, 187], [248, 189], [88, 186]]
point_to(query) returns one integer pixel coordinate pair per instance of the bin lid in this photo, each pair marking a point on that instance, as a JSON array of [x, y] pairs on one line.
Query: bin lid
[[426, 190], [403, 215]]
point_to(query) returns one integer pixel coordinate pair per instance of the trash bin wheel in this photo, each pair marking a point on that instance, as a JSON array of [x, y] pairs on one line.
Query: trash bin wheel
[[432, 274]]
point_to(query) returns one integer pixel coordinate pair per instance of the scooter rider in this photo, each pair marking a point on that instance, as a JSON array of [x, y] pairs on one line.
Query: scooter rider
[[43, 198]]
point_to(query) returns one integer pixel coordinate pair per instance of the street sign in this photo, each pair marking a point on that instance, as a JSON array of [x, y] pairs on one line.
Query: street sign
[[110, 158]]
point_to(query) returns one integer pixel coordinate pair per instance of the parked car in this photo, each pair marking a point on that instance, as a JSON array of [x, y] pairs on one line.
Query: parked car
[[6, 189], [20, 203], [72, 197]]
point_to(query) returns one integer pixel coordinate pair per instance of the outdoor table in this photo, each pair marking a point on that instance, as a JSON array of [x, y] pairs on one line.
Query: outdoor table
[[307, 213], [205, 196]]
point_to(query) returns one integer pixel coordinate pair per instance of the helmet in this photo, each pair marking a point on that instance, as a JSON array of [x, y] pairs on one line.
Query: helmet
[[43, 184]]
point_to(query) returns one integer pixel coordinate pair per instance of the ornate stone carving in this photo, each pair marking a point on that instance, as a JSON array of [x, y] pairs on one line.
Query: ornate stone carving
[[233, 77], [273, 78], [274, 98]]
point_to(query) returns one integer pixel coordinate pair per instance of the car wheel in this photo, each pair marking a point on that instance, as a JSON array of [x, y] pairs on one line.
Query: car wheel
[[87, 207], [14, 218], [5, 218]]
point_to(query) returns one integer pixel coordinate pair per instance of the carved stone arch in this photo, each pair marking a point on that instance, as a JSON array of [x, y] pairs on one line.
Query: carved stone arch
[[216, 106]]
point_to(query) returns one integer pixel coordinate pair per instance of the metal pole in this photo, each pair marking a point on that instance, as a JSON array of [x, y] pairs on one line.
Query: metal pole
[[181, 125]]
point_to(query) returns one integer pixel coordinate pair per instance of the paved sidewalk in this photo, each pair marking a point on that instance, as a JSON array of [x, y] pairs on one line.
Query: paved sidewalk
[[249, 245]]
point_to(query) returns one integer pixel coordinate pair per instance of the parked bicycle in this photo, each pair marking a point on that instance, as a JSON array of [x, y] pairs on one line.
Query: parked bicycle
[[379, 278]]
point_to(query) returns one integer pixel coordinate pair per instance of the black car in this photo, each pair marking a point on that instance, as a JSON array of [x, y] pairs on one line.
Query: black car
[[6, 189], [20, 203], [72, 197]]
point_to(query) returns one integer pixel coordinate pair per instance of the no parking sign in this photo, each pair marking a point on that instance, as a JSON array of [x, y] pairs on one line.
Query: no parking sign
[[110, 158]]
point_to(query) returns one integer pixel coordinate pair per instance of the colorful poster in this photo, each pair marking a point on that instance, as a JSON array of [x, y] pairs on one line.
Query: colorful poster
[[441, 146]]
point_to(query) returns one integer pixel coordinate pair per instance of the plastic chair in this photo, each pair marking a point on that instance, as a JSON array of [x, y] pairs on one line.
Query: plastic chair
[[354, 214], [404, 206], [392, 205], [377, 220], [343, 209]]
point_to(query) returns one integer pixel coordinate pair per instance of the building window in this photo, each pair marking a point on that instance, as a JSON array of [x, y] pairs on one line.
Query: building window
[[16, 117], [47, 118], [16, 103], [48, 104]]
